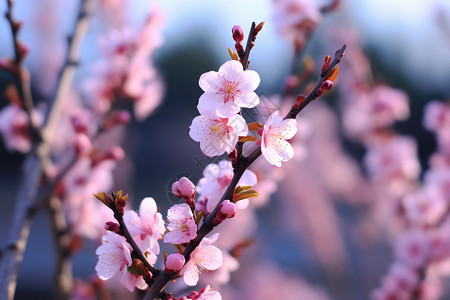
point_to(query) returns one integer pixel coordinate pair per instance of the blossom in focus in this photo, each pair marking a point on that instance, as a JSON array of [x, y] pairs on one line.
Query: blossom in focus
[[182, 227], [217, 135], [216, 179], [227, 90], [274, 146], [147, 227], [205, 256], [205, 293], [114, 255]]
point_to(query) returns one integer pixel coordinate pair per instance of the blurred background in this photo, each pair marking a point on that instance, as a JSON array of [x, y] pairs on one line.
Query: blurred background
[[406, 42]]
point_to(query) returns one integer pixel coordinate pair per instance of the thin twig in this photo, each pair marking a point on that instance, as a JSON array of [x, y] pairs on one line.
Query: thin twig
[[21, 73]]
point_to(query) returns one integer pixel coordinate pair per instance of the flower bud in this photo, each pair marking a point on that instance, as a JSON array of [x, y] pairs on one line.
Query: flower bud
[[228, 208], [183, 188], [174, 262], [111, 226], [82, 144], [238, 33]]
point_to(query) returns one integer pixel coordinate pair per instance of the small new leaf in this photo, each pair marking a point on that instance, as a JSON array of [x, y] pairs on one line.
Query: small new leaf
[[248, 138], [239, 189], [199, 217], [233, 55], [104, 198], [255, 126], [333, 74], [245, 195]]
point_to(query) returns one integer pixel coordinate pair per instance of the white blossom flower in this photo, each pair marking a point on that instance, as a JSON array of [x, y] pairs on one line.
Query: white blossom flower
[[226, 91], [276, 131], [217, 135]]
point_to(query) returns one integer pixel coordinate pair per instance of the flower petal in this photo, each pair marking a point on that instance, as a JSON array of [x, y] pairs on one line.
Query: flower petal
[[247, 100], [231, 70], [190, 273], [209, 257], [209, 81], [249, 81]]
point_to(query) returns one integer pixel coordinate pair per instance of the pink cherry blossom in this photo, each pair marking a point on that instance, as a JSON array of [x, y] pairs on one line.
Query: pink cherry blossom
[[204, 256], [147, 227], [216, 179], [413, 247], [114, 255], [426, 206], [226, 91], [295, 16], [205, 293], [274, 146], [393, 160], [182, 227], [436, 116], [399, 283], [378, 108], [217, 135], [14, 127]]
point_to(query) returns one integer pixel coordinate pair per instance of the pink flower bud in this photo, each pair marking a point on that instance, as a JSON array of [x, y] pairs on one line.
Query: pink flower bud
[[183, 188], [111, 226], [174, 262], [80, 123], [238, 33], [82, 144], [228, 208], [115, 153]]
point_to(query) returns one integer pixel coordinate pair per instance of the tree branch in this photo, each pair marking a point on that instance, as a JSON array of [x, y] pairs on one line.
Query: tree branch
[[238, 170], [26, 204]]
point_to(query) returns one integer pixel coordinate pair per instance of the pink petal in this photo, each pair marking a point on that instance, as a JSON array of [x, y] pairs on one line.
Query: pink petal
[[190, 273], [249, 81], [209, 81], [209, 257], [231, 70], [247, 100]]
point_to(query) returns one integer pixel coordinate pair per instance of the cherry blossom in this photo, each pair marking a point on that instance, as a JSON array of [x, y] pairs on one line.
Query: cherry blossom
[[217, 135], [295, 16], [413, 247], [426, 206], [378, 108], [274, 146], [147, 227], [205, 293], [216, 179], [182, 227], [204, 256], [114, 255], [14, 127], [226, 91]]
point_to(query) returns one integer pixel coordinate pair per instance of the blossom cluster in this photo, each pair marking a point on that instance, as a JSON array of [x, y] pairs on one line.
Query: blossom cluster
[[220, 123]]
